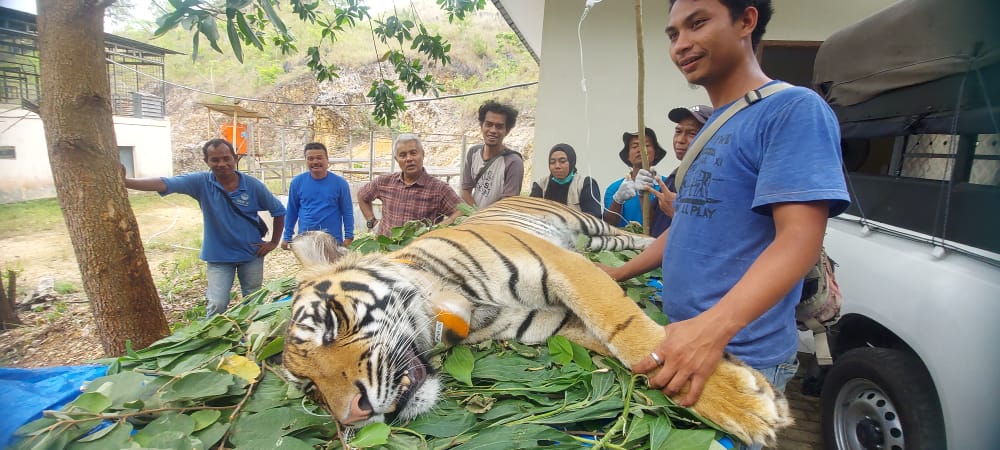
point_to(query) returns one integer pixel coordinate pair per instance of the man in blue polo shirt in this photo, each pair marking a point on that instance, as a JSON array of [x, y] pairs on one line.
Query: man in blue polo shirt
[[232, 243]]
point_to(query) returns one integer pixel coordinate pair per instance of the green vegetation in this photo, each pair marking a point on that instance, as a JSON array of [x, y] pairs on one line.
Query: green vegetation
[[484, 54], [63, 287], [30, 216], [214, 383], [33, 216]]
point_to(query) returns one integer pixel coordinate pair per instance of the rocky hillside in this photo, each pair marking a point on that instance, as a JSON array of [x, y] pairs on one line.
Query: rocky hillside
[[298, 111]]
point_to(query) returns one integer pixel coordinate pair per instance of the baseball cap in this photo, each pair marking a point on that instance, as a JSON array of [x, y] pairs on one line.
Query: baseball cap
[[701, 113]]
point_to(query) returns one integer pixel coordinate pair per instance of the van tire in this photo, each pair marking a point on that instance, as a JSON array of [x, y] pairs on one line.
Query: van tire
[[880, 398]]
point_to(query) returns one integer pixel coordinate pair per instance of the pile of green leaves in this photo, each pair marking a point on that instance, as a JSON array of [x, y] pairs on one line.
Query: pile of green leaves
[[214, 384]]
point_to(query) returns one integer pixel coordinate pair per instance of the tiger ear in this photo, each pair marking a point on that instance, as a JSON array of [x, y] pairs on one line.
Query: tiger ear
[[314, 248]]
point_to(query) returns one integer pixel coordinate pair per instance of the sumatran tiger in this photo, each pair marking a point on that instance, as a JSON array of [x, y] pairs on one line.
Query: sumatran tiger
[[362, 325]]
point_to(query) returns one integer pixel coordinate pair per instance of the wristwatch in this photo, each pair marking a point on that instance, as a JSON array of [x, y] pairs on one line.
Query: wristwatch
[[371, 222]]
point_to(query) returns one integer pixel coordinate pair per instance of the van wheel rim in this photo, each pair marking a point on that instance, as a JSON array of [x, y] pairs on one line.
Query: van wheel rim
[[865, 418]]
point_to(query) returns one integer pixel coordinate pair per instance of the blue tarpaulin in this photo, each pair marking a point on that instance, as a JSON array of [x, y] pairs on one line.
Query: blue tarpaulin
[[28, 392]]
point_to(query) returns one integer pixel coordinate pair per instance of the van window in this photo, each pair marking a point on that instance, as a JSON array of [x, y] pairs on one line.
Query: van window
[[929, 156], [986, 162]]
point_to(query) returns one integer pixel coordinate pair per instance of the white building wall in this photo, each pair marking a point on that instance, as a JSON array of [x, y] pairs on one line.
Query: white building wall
[[593, 124], [29, 175]]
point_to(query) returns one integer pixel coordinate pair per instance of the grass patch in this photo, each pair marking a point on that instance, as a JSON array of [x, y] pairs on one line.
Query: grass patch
[[66, 287], [33, 215], [21, 218]]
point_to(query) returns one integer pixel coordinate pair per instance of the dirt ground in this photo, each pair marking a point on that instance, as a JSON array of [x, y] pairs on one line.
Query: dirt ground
[[61, 331]]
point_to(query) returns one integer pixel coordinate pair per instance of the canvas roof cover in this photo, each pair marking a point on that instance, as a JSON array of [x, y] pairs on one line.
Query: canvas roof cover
[[908, 43]]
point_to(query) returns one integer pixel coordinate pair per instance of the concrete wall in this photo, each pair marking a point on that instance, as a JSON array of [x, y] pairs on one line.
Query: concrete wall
[[29, 176], [594, 122]]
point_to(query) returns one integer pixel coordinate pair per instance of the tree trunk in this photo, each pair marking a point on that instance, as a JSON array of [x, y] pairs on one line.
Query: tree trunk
[[8, 307], [79, 131]]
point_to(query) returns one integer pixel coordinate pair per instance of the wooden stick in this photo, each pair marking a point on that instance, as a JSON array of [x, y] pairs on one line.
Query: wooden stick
[[641, 63]]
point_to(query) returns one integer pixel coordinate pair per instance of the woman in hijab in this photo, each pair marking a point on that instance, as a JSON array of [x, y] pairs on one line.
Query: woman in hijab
[[564, 185]]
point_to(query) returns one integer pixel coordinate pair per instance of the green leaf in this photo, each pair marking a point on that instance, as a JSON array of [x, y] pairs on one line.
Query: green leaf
[[234, 37], [208, 27], [581, 356], [99, 433], [251, 427], [248, 32], [211, 435], [516, 436], [90, 401], [204, 418], [447, 419], [272, 348], [459, 364], [172, 439], [560, 349], [371, 435], [273, 16], [171, 423], [689, 439], [280, 442], [114, 436], [197, 385]]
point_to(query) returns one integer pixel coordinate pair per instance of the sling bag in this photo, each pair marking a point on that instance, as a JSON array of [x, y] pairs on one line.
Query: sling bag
[[258, 222], [819, 304]]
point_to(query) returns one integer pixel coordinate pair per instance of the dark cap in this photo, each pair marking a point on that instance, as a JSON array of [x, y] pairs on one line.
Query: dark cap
[[701, 113], [658, 151]]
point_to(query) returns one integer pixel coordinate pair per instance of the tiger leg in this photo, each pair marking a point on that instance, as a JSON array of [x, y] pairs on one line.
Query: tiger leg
[[736, 397]]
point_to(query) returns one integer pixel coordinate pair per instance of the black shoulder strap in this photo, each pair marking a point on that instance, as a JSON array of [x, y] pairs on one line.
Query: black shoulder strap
[[239, 212]]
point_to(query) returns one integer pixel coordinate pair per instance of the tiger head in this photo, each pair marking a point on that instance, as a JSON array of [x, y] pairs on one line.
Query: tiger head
[[359, 335]]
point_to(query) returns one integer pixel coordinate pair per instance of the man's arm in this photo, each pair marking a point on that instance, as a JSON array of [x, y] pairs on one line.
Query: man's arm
[[693, 348], [649, 259], [468, 183], [513, 176], [346, 211], [366, 195], [146, 184], [291, 214], [467, 197], [277, 227]]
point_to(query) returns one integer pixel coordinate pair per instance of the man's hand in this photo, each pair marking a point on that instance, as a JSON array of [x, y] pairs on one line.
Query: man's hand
[[284, 245], [644, 180], [347, 242], [690, 351], [664, 198], [263, 248], [625, 192], [613, 272]]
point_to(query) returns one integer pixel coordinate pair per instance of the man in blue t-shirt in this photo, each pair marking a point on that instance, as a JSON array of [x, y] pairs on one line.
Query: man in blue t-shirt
[[622, 202], [319, 200], [751, 211], [232, 244]]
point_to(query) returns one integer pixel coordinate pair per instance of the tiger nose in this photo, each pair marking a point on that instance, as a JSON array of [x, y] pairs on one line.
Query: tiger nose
[[361, 410]]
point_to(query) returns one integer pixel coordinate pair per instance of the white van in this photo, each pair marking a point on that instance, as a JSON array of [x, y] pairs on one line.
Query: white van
[[916, 89]]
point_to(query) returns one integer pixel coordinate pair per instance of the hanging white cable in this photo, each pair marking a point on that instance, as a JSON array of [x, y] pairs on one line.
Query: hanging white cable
[[277, 102], [583, 75]]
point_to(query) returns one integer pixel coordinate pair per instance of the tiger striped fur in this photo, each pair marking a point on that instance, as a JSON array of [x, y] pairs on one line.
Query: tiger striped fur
[[362, 325]]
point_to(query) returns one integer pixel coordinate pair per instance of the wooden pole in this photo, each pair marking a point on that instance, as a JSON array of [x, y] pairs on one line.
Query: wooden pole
[[641, 67]]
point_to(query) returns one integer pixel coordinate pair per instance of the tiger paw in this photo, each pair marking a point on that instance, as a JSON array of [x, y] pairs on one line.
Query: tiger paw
[[741, 401]]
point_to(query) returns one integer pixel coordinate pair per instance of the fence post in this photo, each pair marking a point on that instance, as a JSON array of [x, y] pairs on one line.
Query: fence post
[[284, 164], [371, 155]]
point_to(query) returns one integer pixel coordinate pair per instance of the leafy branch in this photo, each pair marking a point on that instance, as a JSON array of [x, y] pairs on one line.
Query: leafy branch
[[257, 23], [497, 395]]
